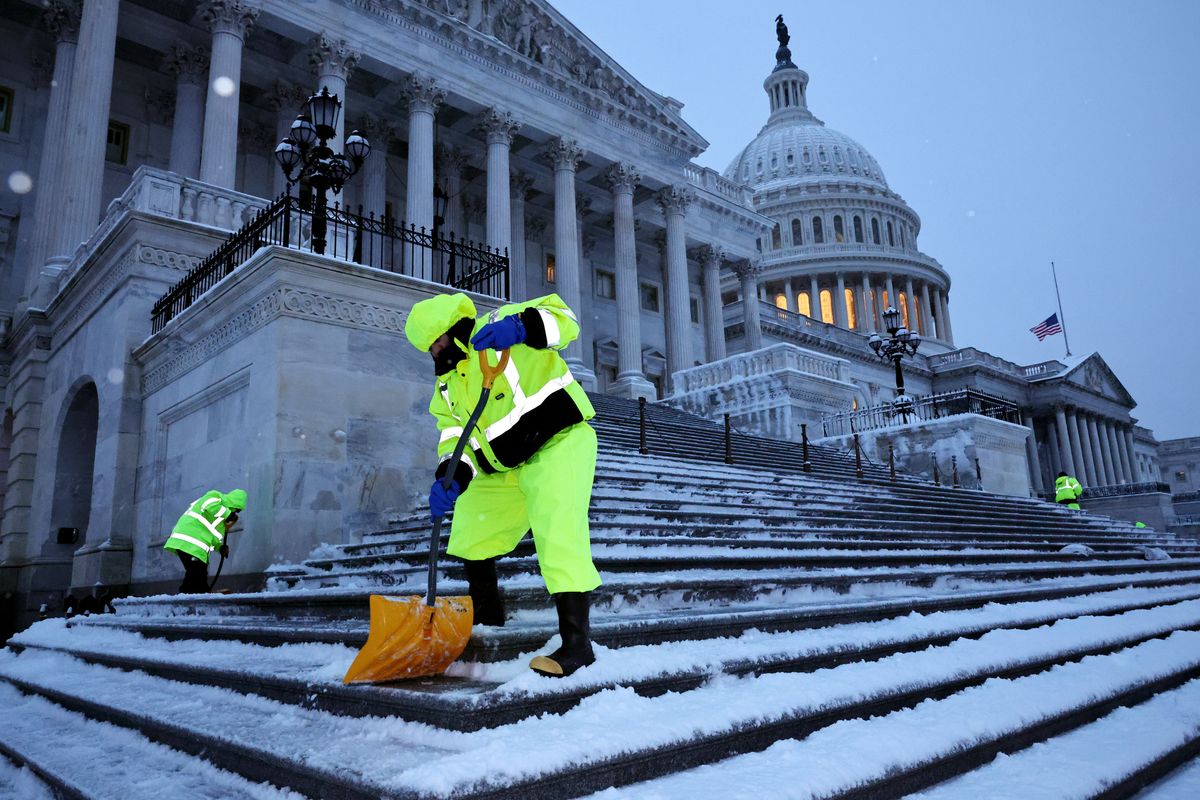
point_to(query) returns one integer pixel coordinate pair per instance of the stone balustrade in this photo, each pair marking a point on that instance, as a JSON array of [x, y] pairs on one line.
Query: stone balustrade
[[712, 181], [773, 359]]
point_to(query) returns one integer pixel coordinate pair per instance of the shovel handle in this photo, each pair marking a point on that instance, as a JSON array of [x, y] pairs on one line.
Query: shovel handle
[[490, 373]]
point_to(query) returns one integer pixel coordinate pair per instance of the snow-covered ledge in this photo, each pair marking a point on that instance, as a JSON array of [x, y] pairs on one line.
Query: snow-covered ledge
[[999, 446], [770, 392]]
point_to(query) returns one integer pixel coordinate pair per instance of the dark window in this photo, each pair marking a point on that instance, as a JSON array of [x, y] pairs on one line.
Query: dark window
[[606, 285], [649, 297], [118, 143], [791, 158], [875, 230], [891, 235], [775, 237], [695, 306], [902, 244], [839, 231], [6, 109], [797, 233], [818, 231], [858, 229]]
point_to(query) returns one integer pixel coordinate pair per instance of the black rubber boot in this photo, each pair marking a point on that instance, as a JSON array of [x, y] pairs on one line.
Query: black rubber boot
[[485, 592], [576, 650]]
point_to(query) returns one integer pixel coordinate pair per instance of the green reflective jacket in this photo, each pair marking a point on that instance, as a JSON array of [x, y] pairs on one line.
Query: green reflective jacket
[[535, 397], [1067, 488], [201, 529]]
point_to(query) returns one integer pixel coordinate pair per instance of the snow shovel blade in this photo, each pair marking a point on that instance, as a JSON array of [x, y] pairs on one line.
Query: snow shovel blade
[[408, 639]]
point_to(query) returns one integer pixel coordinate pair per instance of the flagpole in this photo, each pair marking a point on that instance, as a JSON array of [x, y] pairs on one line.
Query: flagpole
[[1061, 320]]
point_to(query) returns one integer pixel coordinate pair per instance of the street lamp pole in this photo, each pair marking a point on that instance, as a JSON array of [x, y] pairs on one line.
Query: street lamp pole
[[306, 154], [901, 342]]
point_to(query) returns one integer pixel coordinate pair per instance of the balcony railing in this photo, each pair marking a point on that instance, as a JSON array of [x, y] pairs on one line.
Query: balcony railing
[[925, 409], [373, 242], [1119, 490]]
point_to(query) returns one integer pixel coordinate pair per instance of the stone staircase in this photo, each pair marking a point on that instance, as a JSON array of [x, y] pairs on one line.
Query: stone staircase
[[752, 616]]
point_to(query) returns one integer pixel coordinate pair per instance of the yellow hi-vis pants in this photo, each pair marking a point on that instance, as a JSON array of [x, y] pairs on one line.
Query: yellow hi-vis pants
[[549, 494]]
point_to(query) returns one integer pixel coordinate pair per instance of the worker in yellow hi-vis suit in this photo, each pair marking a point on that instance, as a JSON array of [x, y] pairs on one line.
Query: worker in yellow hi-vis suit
[[530, 461]]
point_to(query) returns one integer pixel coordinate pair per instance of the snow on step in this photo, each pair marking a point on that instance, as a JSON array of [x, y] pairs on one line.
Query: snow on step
[[105, 761], [1182, 784], [1084, 761], [19, 783], [400, 755], [851, 753]]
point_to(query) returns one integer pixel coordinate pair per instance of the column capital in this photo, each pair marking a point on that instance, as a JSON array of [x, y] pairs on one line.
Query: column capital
[[450, 159], [283, 95], [710, 256], [520, 184], [497, 126], [583, 205], [378, 131], [61, 19], [747, 269], [234, 17], [535, 227], [423, 94], [334, 57], [186, 63], [675, 199], [622, 177], [563, 153]]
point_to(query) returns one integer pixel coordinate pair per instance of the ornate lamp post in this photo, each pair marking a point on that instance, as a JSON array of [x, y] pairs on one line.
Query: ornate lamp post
[[305, 154], [900, 343]]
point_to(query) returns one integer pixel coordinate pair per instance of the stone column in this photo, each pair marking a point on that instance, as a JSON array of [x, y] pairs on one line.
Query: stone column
[[1056, 459], [840, 317], [939, 315], [1119, 451], [519, 186], [1131, 452], [1031, 453], [230, 22], [374, 169], [81, 180], [714, 316], [1076, 450], [674, 201], [333, 60], [1094, 476], [565, 154], [1111, 450], [867, 313], [814, 299], [631, 381], [1066, 446], [1100, 449], [423, 97], [926, 312], [891, 294], [285, 100], [945, 303], [789, 295], [189, 66], [914, 320], [498, 127], [62, 20], [748, 273]]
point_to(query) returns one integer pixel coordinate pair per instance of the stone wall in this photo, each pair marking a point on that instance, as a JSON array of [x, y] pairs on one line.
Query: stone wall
[[1152, 508]]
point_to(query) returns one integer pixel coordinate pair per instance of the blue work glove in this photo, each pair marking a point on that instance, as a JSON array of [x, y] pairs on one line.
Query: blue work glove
[[441, 499], [499, 335]]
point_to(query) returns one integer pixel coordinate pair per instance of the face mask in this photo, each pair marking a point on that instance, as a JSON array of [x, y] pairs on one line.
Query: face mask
[[455, 351]]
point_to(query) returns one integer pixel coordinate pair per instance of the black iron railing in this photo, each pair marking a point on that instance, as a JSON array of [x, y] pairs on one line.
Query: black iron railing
[[368, 240], [934, 406], [1119, 490]]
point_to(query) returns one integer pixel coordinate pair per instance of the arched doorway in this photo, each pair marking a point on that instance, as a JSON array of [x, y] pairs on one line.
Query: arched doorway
[[73, 471]]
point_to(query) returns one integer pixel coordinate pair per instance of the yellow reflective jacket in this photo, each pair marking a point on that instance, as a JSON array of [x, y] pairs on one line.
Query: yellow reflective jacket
[[1067, 488], [534, 398]]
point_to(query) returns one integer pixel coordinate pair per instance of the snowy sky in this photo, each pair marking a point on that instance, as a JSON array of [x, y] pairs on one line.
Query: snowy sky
[[1021, 132]]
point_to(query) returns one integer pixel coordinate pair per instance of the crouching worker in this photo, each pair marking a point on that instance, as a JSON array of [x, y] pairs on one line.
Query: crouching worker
[[200, 531], [530, 461], [1067, 490]]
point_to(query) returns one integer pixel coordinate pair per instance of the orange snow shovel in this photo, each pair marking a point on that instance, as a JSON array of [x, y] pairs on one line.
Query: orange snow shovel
[[414, 636]]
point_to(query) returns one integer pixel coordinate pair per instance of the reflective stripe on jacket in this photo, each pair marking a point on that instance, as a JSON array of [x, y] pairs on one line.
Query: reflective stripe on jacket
[[1067, 488], [201, 529], [534, 398]]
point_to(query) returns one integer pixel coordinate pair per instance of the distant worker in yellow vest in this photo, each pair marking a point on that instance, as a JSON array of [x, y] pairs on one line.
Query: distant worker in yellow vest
[[201, 530], [1067, 491], [529, 464]]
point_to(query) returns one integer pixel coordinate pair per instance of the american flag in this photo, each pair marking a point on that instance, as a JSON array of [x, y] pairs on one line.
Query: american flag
[[1047, 327]]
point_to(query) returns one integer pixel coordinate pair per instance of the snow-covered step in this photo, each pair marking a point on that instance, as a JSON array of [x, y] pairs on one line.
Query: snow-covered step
[[310, 674], [77, 757], [922, 743], [632, 735], [1112, 757], [1182, 784], [19, 782]]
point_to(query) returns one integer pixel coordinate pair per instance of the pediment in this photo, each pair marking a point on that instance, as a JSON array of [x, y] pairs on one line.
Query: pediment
[[1096, 376]]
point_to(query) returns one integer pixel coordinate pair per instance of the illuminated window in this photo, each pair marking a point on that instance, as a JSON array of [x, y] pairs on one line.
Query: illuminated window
[[891, 235], [549, 267], [797, 233], [851, 313], [858, 229], [606, 285], [904, 309], [826, 305], [6, 109], [818, 231], [885, 303], [775, 238], [649, 293], [839, 230], [874, 230], [854, 404], [117, 149], [803, 304]]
